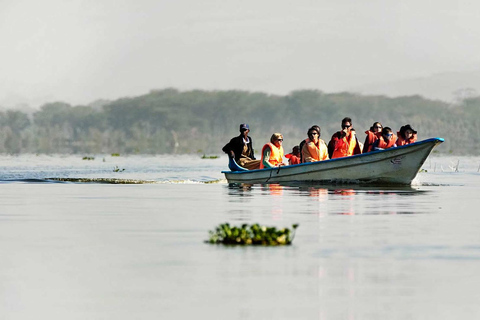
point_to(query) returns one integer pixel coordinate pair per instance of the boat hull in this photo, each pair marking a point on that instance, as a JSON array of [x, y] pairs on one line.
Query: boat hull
[[398, 165]]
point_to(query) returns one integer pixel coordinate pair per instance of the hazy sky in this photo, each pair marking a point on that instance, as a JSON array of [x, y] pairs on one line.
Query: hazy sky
[[79, 51]]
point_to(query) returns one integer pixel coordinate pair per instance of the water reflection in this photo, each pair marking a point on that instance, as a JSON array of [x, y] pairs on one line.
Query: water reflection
[[273, 189], [239, 189], [337, 199]]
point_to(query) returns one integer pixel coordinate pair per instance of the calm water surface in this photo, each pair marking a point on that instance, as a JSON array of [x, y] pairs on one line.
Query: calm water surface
[[137, 251]]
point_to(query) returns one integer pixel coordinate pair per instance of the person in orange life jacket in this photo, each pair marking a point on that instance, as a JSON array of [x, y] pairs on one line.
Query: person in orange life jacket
[[315, 148], [294, 156], [272, 153], [406, 135], [373, 134], [386, 140], [344, 143], [305, 141], [240, 148]]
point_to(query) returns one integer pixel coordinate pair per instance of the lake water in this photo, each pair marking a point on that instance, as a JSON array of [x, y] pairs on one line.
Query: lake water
[[136, 251]]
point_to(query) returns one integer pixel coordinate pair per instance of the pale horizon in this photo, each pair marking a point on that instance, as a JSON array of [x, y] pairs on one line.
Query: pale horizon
[[82, 51]]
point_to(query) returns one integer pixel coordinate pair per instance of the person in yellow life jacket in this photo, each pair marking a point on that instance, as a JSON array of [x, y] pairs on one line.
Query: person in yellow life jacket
[[386, 141], [406, 135], [272, 152], [372, 135], [344, 143], [314, 148], [306, 140]]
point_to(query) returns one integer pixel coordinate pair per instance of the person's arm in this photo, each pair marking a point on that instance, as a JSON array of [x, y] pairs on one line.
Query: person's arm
[[323, 151], [306, 154], [375, 145], [366, 144], [266, 155], [228, 149], [252, 153]]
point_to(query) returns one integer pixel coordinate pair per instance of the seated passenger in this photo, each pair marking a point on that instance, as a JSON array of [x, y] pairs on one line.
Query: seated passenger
[[372, 135], [272, 153], [305, 141], [315, 148], [386, 140], [240, 148], [294, 156], [344, 143], [406, 135]]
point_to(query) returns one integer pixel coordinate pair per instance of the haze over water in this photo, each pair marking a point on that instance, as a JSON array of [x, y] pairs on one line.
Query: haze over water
[[110, 251]]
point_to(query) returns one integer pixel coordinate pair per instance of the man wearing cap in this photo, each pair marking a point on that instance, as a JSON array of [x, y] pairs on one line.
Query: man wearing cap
[[240, 148]]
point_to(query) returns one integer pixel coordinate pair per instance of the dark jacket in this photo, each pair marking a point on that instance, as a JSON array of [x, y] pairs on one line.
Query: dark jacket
[[236, 145]]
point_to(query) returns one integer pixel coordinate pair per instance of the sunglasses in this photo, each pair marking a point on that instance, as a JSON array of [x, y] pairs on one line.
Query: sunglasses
[[345, 126], [314, 134], [389, 135], [279, 139]]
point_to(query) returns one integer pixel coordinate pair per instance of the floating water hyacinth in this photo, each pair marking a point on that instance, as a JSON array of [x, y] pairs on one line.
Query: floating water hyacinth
[[251, 235], [209, 157]]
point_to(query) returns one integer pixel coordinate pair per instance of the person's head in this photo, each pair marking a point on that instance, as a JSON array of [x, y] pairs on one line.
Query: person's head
[[318, 130], [277, 139], [377, 127], [387, 133], [313, 134], [407, 131], [347, 124], [296, 150], [244, 128]]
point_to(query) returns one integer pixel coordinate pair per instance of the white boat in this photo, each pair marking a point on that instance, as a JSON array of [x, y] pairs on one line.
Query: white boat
[[397, 165]]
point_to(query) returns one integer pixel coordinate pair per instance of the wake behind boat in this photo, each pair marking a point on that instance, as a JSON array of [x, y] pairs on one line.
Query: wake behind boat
[[398, 165]]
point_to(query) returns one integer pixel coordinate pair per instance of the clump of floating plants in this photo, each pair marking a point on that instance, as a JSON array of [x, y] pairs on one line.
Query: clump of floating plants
[[117, 169], [88, 158], [251, 235], [209, 157]]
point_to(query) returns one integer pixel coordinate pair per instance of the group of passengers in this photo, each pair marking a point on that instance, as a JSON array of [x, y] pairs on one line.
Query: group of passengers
[[343, 143]]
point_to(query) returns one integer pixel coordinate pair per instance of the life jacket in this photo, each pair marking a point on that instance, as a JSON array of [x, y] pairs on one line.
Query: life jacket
[[318, 153], [370, 139], [401, 141], [384, 145], [276, 155], [300, 145], [345, 146], [292, 159]]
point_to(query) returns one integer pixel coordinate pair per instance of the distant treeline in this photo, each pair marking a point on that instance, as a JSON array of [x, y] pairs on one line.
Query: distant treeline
[[170, 121]]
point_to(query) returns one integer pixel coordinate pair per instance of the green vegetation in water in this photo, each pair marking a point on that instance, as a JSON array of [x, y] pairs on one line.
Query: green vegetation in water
[[88, 158], [209, 157], [102, 180], [115, 154], [251, 235], [117, 169]]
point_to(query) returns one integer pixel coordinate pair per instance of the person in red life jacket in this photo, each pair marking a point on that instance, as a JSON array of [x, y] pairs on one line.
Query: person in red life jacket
[[387, 140], [314, 148], [294, 156], [406, 135], [307, 140], [372, 135], [272, 152], [240, 148], [344, 143]]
